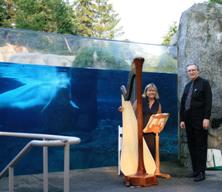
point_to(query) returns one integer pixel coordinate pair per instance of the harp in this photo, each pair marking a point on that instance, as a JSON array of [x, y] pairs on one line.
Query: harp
[[136, 162]]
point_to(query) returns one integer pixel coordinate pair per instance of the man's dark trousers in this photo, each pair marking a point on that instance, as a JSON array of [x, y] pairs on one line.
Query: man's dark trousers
[[197, 142]]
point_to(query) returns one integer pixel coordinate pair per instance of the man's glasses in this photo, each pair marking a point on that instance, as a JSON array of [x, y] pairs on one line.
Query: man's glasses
[[191, 70]]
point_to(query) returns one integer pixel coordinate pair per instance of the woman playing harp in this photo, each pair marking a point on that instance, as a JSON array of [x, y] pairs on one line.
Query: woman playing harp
[[151, 105]]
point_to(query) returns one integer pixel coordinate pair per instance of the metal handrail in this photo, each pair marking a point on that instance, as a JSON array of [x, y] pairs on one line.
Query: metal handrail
[[47, 141]]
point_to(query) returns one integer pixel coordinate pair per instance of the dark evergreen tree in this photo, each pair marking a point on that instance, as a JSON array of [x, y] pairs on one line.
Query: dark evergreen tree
[[96, 18], [38, 15], [7, 13]]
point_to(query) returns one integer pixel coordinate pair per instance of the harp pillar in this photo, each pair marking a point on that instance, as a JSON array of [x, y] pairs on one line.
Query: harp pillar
[[140, 178]]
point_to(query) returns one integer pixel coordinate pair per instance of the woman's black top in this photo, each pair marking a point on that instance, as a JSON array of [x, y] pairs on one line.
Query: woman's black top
[[147, 111]]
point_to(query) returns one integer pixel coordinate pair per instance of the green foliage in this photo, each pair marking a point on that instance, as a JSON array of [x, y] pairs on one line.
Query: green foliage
[[98, 57], [168, 37], [3, 14], [215, 1], [167, 63], [38, 15], [84, 17], [44, 15], [106, 20], [89, 18], [161, 63], [7, 13], [96, 18]]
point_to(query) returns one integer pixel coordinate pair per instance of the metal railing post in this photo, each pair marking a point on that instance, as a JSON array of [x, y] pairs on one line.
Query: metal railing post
[[66, 167], [47, 141], [45, 169], [11, 179]]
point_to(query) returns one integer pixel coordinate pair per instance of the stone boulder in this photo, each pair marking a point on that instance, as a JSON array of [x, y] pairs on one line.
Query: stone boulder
[[21, 54], [42, 59], [200, 41], [8, 50]]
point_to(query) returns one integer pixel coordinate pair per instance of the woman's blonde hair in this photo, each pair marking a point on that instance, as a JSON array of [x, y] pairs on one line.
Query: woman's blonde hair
[[153, 86]]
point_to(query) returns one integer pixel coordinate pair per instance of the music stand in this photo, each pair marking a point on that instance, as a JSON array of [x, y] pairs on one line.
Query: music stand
[[156, 125]]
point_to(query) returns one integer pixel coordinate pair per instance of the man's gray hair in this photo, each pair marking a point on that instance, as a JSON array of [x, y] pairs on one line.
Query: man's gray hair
[[198, 68]]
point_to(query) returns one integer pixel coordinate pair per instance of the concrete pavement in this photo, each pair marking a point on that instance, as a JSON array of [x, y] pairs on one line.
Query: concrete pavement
[[106, 179]]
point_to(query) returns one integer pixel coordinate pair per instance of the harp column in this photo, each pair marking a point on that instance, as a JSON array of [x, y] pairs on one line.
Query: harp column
[[140, 178]]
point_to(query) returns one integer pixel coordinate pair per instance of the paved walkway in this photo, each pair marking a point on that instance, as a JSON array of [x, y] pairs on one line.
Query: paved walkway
[[105, 179]]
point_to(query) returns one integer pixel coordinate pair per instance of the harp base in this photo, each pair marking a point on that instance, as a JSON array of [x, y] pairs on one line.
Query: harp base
[[163, 175], [141, 180]]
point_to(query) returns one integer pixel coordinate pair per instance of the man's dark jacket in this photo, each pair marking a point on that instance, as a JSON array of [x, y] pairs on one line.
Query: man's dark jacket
[[201, 100]]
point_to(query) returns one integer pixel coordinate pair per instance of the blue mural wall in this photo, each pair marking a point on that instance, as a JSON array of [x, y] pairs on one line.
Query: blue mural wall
[[77, 102]]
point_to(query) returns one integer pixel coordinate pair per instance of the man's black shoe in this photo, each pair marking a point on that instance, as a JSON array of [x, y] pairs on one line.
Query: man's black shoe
[[192, 175], [200, 177]]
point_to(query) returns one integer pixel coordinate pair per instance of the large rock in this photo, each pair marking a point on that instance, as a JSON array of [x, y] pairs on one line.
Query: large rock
[[8, 50], [42, 59], [200, 41], [21, 54]]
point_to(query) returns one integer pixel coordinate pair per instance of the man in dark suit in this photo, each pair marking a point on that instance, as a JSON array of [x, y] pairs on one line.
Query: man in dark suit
[[195, 111]]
